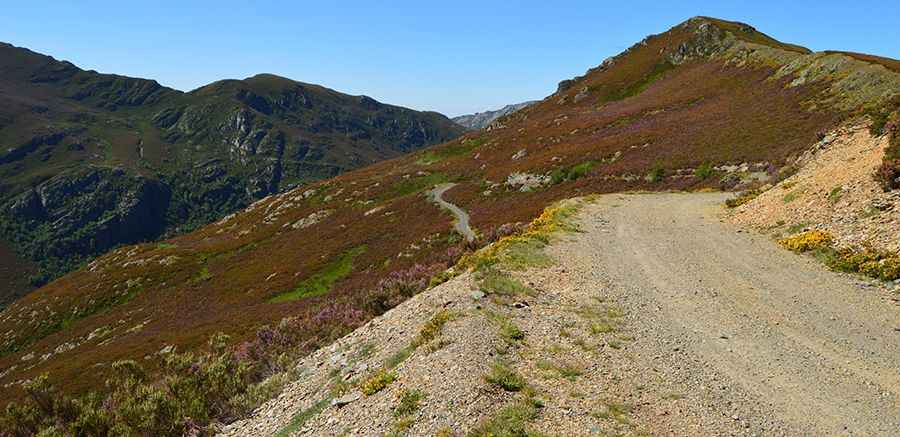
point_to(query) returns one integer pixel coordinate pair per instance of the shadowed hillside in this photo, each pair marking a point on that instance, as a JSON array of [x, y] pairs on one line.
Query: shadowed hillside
[[90, 161]]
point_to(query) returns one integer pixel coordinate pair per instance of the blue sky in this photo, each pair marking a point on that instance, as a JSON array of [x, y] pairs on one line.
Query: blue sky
[[453, 57]]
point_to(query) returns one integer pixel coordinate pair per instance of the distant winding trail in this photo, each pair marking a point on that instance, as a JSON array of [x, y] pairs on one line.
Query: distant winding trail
[[757, 339], [461, 224]]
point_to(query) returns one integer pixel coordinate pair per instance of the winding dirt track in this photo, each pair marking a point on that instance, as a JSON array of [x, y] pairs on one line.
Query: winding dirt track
[[748, 332], [461, 224]]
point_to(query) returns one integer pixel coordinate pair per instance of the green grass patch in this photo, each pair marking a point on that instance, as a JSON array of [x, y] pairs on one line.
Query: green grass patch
[[323, 280], [617, 411], [637, 87], [504, 377], [413, 185], [572, 173], [438, 154], [166, 246], [302, 417], [790, 197]]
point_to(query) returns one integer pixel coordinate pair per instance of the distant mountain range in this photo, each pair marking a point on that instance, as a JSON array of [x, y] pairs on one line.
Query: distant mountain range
[[481, 120], [89, 161]]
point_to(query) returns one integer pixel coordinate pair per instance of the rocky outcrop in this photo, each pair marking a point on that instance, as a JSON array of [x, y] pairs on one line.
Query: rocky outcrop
[[83, 213], [482, 120]]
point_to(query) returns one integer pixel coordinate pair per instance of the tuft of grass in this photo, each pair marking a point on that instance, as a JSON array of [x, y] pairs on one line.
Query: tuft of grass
[[432, 328], [302, 417], [324, 279], [377, 382], [510, 332], [408, 403], [742, 198], [835, 194], [165, 245], [790, 197], [554, 370], [504, 377], [617, 411], [497, 282], [511, 421]]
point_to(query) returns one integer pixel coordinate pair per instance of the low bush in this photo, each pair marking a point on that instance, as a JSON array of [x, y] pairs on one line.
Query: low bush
[[806, 241], [571, 173], [742, 198], [377, 382], [704, 171]]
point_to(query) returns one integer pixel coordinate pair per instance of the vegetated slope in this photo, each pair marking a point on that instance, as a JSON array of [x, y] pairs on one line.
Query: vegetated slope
[[835, 191], [89, 161], [481, 120], [618, 330], [705, 104]]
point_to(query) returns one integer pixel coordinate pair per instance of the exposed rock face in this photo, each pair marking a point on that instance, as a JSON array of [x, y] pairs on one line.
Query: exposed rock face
[[482, 120], [77, 214]]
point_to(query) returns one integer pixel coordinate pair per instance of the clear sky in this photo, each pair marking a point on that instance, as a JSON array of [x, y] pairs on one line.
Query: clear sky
[[454, 57]]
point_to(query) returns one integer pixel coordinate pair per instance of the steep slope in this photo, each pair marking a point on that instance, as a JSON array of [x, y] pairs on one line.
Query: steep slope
[[481, 120], [90, 161], [707, 104]]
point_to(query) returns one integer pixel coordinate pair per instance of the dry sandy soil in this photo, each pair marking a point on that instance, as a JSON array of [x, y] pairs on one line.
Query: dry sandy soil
[[656, 319]]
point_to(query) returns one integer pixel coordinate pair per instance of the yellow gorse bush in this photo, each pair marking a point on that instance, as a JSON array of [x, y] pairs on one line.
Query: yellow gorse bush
[[807, 241]]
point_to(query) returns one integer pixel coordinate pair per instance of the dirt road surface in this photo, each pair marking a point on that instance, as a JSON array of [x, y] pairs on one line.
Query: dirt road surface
[[743, 331]]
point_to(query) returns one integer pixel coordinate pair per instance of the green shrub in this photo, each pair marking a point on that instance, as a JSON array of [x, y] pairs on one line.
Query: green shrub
[[704, 171], [409, 403], [571, 173], [656, 174]]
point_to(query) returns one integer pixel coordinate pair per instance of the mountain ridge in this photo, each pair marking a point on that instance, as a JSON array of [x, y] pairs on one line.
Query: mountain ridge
[[205, 153], [481, 120]]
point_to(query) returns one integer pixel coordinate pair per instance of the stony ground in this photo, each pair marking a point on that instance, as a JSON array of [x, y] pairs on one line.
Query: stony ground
[[833, 190], [656, 319]]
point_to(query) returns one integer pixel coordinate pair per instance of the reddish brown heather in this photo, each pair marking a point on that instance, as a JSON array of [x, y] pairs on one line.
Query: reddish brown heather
[[700, 112]]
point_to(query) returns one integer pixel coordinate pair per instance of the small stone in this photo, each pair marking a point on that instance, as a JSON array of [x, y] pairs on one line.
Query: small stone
[[477, 295], [345, 400]]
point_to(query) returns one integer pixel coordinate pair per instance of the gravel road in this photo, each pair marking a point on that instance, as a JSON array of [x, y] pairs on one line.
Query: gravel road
[[461, 224], [753, 339]]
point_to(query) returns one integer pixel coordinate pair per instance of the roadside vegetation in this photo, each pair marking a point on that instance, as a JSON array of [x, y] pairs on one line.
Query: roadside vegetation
[[866, 261]]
